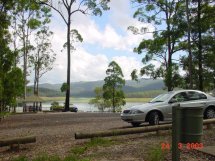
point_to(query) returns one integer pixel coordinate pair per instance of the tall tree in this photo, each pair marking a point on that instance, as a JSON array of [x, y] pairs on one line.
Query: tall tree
[[189, 44], [202, 44], [11, 79], [165, 40], [113, 84], [42, 57], [65, 8], [27, 17]]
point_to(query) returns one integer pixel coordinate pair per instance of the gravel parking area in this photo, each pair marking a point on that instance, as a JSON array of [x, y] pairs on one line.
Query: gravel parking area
[[55, 135], [54, 131]]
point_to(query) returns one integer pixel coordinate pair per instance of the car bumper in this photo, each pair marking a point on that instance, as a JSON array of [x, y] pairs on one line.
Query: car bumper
[[133, 117]]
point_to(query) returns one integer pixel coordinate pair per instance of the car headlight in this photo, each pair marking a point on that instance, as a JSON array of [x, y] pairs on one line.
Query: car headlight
[[136, 112]]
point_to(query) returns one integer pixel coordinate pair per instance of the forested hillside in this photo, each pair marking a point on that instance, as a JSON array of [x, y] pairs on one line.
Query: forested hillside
[[86, 89]]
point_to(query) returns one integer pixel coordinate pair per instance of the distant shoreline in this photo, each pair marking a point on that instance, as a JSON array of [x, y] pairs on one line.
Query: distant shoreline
[[85, 100]]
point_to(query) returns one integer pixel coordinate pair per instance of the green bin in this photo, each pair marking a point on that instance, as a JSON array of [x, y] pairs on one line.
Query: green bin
[[191, 125]]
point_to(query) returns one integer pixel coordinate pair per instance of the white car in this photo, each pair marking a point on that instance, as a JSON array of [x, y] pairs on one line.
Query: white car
[[160, 108]]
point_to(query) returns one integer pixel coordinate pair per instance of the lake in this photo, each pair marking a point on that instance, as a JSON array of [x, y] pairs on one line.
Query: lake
[[85, 107]]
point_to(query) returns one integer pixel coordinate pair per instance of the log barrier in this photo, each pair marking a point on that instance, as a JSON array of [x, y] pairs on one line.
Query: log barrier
[[132, 130], [15, 142]]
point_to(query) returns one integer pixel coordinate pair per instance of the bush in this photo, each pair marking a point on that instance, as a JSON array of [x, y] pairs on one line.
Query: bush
[[55, 106]]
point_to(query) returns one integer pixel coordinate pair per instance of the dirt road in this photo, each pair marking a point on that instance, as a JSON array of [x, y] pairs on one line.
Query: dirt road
[[55, 135]]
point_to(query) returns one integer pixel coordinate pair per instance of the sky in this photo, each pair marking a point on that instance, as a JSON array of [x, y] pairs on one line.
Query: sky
[[105, 39]]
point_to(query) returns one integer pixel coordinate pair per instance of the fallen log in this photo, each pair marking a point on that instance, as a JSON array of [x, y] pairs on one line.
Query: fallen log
[[17, 141], [123, 132], [131, 131]]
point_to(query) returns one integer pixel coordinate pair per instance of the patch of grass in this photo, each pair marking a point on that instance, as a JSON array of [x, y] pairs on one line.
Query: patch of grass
[[94, 142], [20, 158], [138, 99], [156, 154], [99, 142], [79, 150], [72, 99], [46, 157], [75, 158]]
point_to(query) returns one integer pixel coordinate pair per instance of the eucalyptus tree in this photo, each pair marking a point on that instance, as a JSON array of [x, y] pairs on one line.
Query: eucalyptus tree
[[42, 56], [203, 30], [113, 84], [27, 17], [66, 9], [11, 79], [202, 34], [167, 17]]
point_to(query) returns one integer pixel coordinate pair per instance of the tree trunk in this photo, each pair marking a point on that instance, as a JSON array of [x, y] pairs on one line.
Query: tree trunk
[[169, 69], [68, 66], [189, 46], [35, 78], [25, 67], [200, 47], [113, 99]]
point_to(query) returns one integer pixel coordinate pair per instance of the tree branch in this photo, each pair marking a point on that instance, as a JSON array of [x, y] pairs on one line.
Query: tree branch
[[40, 2]]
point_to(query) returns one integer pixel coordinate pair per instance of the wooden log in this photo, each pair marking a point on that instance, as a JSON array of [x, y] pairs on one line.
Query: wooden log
[[131, 131], [123, 132], [20, 140]]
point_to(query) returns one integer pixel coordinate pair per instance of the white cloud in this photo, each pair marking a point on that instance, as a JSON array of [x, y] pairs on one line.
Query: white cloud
[[92, 66], [127, 64]]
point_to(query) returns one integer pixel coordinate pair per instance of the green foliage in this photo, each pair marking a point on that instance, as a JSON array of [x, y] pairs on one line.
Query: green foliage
[[99, 101], [112, 87], [64, 87], [55, 105], [27, 17], [42, 57], [75, 37], [165, 42], [11, 78], [156, 154]]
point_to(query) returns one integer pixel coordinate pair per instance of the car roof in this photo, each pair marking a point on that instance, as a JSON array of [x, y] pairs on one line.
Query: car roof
[[185, 90]]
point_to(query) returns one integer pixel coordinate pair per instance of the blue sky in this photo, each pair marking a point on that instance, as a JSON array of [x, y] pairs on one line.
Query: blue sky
[[106, 38]]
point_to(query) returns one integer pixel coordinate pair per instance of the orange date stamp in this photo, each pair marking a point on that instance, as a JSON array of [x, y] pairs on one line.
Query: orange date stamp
[[188, 146]]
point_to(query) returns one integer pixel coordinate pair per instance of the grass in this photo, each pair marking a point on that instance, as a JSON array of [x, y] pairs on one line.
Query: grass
[[138, 99], [94, 142], [75, 153], [155, 154], [72, 99]]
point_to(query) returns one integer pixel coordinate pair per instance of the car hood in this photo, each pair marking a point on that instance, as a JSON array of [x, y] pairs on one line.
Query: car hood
[[146, 106]]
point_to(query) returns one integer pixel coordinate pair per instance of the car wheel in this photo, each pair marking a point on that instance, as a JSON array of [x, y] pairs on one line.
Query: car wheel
[[210, 113], [154, 118], [135, 124]]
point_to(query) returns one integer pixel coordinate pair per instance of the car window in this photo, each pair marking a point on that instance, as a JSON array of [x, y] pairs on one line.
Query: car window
[[161, 97], [180, 97], [196, 95]]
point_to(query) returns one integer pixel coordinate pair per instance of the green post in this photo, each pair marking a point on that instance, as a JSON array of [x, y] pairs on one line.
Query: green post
[[176, 130]]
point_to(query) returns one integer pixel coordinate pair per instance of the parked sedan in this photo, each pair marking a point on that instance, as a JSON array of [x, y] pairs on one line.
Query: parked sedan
[[160, 108]]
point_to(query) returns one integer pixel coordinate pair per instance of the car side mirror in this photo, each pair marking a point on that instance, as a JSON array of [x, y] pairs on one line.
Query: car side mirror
[[173, 100]]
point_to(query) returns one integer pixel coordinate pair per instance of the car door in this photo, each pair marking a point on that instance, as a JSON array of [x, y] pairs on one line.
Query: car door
[[177, 98], [194, 96]]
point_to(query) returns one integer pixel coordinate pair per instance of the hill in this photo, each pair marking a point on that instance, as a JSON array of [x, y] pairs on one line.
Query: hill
[[86, 89]]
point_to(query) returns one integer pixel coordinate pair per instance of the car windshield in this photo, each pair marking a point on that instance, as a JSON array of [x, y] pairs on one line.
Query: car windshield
[[161, 97]]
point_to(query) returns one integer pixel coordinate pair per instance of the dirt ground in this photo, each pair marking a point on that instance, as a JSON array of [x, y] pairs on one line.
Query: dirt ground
[[55, 135]]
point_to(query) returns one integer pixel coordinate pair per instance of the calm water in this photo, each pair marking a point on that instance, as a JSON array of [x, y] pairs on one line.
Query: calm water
[[85, 107]]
